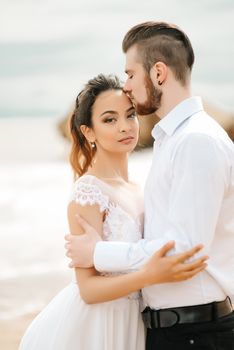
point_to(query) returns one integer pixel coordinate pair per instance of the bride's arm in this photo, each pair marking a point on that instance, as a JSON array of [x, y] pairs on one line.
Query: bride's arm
[[159, 269]]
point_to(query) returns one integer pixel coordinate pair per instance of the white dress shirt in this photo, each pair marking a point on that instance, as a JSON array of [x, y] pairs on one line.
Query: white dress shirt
[[189, 198]]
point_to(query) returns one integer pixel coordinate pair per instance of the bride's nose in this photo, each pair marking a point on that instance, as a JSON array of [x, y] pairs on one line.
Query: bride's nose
[[124, 125]]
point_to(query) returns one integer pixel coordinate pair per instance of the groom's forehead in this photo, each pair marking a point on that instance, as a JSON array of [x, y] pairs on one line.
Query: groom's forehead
[[132, 53], [132, 58]]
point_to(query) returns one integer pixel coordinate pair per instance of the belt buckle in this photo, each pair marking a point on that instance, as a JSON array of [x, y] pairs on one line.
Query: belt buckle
[[146, 315], [168, 318]]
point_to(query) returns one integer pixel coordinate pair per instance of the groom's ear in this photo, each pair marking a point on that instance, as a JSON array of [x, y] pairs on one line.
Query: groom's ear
[[159, 73]]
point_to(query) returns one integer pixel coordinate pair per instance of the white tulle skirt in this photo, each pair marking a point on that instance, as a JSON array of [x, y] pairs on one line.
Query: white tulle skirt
[[67, 323]]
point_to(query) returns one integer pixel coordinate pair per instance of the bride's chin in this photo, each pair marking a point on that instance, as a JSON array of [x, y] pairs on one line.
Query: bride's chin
[[123, 150]]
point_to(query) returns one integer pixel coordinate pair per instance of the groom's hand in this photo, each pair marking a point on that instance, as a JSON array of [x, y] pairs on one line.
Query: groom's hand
[[80, 249]]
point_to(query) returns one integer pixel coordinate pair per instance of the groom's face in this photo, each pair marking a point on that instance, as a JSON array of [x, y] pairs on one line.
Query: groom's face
[[139, 87]]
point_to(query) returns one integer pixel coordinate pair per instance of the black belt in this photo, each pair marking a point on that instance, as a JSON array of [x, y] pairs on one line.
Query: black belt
[[187, 314]]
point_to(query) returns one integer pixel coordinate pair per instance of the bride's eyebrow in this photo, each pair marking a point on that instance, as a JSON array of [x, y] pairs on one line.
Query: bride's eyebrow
[[115, 112], [109, 112], [129, 109]]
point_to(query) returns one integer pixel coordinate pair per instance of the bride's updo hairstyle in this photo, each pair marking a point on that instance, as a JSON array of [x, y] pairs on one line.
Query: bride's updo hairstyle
[[82, 152]]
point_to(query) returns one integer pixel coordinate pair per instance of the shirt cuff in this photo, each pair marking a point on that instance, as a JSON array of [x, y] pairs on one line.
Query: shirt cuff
[[111, 256]]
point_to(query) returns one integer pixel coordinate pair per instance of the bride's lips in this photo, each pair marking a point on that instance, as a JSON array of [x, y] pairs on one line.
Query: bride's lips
[[126, 140]]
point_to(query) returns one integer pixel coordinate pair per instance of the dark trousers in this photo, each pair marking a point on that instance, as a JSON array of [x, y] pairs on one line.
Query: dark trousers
[[214, 335]]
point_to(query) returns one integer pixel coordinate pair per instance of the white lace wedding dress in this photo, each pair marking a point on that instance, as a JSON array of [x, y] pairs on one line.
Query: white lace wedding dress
[[67, 323]]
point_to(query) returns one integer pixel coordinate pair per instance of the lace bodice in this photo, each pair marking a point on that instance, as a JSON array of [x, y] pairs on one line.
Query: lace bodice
[[119, 224]]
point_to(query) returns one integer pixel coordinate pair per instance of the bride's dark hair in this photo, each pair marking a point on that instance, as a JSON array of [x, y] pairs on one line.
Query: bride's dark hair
[[81, 152]]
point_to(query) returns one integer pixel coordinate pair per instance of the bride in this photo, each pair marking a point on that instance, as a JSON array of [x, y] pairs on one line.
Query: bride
[[102, 312]]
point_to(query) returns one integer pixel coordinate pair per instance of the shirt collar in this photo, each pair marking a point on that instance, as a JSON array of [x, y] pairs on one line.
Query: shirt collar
[[177, 115]]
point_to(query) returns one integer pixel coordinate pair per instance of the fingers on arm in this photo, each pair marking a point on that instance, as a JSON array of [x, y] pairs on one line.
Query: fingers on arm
[[196, 264], [182, 257], [68, 237], [188, 270], [82, 222], [81, 217], [189, 274], [165, 248]]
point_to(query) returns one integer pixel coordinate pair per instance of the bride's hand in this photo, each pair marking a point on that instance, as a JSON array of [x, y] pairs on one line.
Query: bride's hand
[[161, 268]]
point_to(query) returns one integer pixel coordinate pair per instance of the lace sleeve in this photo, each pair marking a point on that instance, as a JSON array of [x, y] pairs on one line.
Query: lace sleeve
[[89, 194]]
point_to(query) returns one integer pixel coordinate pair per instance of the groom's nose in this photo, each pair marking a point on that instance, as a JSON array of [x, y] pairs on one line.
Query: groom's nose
[[127, 87]]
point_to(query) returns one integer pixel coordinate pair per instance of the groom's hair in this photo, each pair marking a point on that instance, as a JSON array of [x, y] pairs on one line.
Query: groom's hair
[[164, 42]]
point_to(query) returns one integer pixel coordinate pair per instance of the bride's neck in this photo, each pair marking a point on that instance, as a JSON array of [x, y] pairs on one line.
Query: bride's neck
[[114, 166]]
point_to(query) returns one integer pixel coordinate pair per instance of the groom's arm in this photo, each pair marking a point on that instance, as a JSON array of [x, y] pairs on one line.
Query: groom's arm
[[88, 250], [200, 174], [123, 256]]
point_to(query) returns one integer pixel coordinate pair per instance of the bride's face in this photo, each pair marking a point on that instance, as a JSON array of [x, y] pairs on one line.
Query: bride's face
[[115, 124]]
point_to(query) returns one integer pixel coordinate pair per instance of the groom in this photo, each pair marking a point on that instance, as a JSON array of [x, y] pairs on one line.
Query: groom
[[189, 197]]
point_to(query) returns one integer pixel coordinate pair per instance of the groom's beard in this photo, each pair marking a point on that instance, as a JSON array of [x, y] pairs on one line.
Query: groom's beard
[[153, 101]]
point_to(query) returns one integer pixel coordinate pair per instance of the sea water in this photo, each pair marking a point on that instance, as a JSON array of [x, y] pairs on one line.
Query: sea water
[[49, 48]]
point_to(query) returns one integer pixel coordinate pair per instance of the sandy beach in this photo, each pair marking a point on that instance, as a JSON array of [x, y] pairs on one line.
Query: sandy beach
[[21, 299], [11, 331], [35, 185]]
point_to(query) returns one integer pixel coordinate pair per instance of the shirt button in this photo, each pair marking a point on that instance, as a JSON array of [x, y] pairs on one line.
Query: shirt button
[[191, 341]]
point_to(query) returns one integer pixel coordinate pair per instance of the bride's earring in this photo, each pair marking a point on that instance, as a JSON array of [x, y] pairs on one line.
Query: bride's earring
[[93, 145]]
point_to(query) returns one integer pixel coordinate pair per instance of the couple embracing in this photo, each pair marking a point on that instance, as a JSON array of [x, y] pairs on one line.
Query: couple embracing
[[139, 282]]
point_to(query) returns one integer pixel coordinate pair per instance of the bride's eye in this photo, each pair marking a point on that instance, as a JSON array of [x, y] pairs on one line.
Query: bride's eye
[[132, 115], [109, 120]]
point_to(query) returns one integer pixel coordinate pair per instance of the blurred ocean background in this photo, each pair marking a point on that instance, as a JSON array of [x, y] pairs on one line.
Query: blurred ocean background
[[49, 49]]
